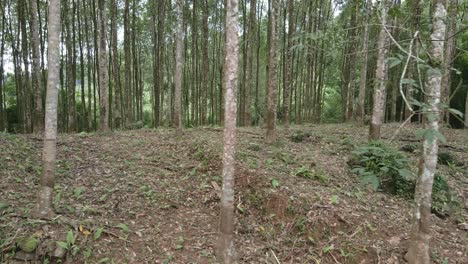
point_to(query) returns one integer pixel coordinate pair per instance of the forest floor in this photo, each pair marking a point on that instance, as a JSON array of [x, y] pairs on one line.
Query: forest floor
[[143, 196]]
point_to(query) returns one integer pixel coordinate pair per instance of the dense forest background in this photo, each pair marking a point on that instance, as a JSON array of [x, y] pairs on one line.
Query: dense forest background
[[327, 56]]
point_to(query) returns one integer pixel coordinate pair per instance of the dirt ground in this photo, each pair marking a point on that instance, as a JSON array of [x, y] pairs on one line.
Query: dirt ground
[[143, 196]]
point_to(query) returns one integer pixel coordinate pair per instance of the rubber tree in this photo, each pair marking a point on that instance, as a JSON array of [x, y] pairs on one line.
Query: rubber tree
[[44, 207], [421, 234], [381, 75], [226, 249], [272, 85], [179, 67], [103, 99]]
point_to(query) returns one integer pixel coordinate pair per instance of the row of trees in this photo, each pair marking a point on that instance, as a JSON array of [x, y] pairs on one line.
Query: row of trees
[[191, 86], [323, 60]]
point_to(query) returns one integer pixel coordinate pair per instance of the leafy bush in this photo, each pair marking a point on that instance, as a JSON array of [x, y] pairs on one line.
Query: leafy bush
[[388, 169], [383, 168]]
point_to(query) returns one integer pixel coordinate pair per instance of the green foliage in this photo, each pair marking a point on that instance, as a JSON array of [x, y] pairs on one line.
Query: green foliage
[[383, 168], [446, 158], [314, 174], [388, 169], [299, 136], [443, 201], [28, 244]]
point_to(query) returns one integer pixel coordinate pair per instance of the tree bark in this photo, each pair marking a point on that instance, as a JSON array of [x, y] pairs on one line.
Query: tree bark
[[205, 63], [449, 55], [103, 99], [179, 67], [226, 249], [38, 125], [3, 123], [381, 75], [117, 113], [420, 236], [271, 98], [289, 60], [128, 65], [44, 208], [363, 79]]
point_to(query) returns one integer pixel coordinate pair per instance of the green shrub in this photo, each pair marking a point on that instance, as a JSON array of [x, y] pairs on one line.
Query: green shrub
[[383, 168], [388, 169]]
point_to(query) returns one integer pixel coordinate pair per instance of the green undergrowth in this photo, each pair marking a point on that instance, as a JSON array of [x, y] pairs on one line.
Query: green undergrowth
[[388, 170]]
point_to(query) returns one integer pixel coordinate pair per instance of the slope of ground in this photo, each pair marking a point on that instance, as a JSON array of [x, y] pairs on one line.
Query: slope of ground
[[143, 196]]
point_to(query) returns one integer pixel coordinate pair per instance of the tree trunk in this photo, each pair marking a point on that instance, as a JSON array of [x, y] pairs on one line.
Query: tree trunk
[[381, 75], [352, 62], [128, 65], [2, 50], [419, 245], [179, 67], [289, 60], [103, 100], [27, 100], [68, 19], [117, 113], [44, 208], [38, 125], [360, 114], [205, 62], [226, 249], [449, 53], [271, 98]]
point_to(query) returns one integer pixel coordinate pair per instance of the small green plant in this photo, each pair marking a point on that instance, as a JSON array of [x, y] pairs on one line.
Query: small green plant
[[275, 183], [69, 243], [384, 168], [299, 136], [446, 158], [443, 201], [314, 174], [78, 192]]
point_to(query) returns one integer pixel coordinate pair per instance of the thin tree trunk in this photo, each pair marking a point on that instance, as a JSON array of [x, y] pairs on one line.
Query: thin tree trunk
[[128, 65], [226, 249], [84, 122], [272, 76], [205, 63], [103, 100], [44, 207], [381, 75], [363, 79], [421, 234], [352, 62], [38, 125], [27, 99], [115, 66], [289, 61], [3, 123], [179, 67], [449, 54]]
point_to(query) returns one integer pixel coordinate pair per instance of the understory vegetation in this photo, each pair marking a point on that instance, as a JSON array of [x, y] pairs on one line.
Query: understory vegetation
[[141, 195]]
